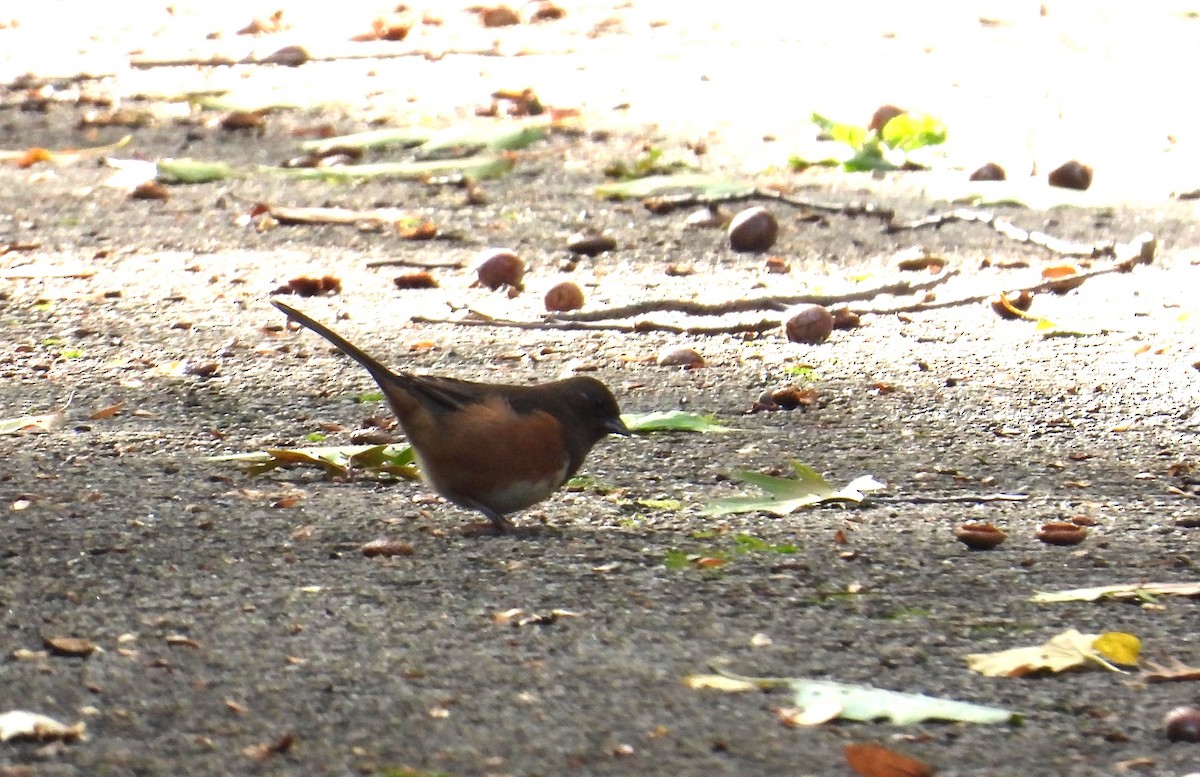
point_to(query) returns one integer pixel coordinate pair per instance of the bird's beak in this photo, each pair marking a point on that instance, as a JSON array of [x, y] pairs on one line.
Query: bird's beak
[[617, 426]]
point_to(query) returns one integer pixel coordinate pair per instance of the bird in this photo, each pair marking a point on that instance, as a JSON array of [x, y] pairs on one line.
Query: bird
[[490, 447]]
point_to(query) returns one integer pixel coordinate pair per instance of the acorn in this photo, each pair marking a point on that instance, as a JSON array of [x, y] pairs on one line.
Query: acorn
[[754, 229], [563, 297], [811, 324], [498, 267], [1182, 724]]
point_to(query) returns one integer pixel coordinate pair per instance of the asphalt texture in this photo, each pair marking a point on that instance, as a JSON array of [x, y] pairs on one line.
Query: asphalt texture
[[235, 625]]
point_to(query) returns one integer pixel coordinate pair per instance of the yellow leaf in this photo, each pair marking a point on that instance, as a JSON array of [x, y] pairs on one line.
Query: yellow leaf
[[716, 682], [1068, 650], [1118, 647]]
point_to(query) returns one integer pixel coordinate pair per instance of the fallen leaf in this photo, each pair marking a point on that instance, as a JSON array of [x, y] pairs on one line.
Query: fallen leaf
[[192, 171], [75, 647], [719, 682], [387, 547], [479, 168], [1175, 671], [105, 413], [1126, 591], [1068, 650], [31, 156], [823, 700], [19, 724], [671, 421], [870, 759], [27, 424], [683, 183], [786, 495], [398, 460], [306, 286]]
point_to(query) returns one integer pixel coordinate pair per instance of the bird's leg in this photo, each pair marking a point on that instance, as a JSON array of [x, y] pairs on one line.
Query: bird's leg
[[500, 524]]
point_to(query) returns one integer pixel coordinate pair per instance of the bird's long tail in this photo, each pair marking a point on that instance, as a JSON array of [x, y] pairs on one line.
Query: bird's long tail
[[382, 375]]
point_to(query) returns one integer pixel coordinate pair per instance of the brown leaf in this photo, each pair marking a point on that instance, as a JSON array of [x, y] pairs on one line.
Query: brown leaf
[[104, 413], [32, 156], [244, 120], [979, 536], [267, 750], [1061, 533], [387, 547], [150, 190], [1174, 671], [305, 286], [425, 230], [76, 647], [1012, 307], [416, 280], [871, 759], [259, 26]]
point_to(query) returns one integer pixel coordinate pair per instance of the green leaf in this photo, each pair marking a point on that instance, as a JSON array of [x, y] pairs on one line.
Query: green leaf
[[786, 495], [459, 143], [748, 543], [699, 184], [677, 559], [402, 137], [188, 171], [660, 504], [478, 168], [315, 437], [910, 131], [672, 421]]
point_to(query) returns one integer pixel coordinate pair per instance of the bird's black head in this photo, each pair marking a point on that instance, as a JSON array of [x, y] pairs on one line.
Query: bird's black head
[[595, 406]]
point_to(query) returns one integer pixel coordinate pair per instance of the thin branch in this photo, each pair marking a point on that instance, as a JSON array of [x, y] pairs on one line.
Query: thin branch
[[693, 308], [1055, 285], [967, 498], [667, 202], [765, 325], [451, 265], [1055, 245]]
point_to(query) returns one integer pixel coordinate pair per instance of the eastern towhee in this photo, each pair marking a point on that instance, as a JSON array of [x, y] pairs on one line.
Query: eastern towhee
[[490, 447]]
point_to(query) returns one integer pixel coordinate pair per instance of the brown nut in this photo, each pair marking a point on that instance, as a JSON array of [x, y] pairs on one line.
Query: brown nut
[[811, 324], [679, 356], [883, 114], [1061, 533], [989, 172], [979, 536], [564, 296], [1182, 724], [496, 267], [754, 229], [1071, 175], [590, 244]]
